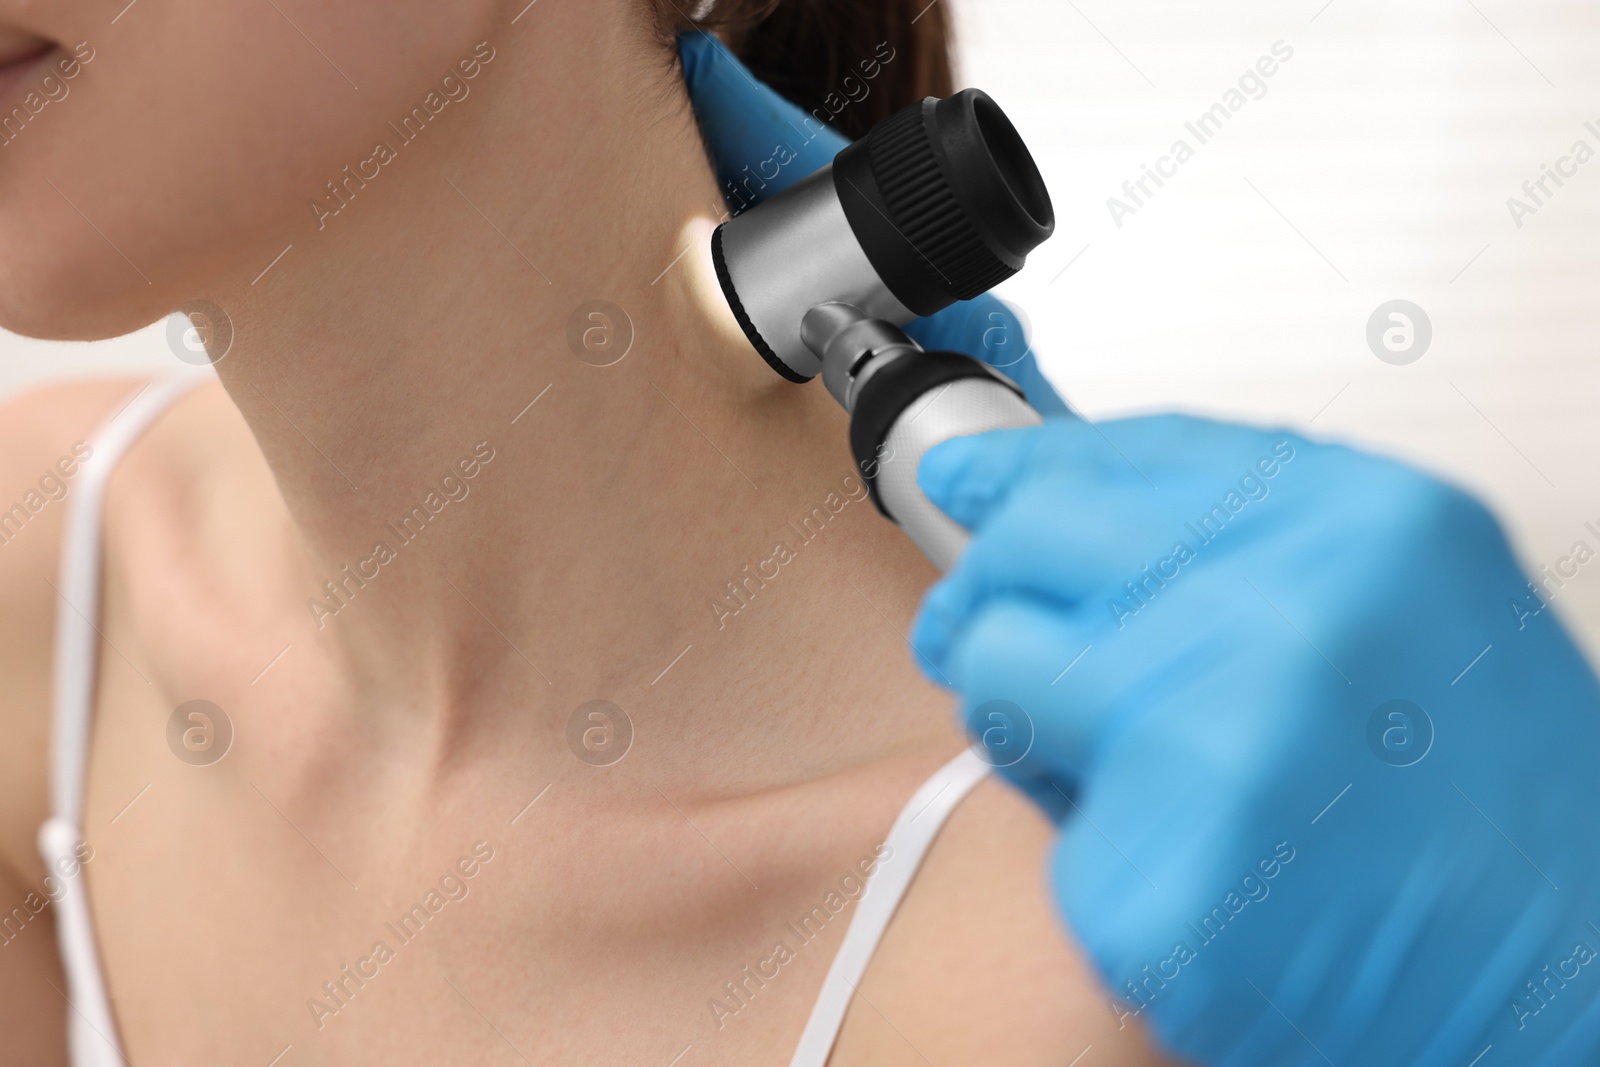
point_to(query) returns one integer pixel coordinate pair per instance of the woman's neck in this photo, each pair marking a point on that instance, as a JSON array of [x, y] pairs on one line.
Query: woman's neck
[[598, 521]]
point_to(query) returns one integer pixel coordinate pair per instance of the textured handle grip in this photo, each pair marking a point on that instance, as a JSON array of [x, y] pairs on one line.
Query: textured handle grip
[[953, 409]]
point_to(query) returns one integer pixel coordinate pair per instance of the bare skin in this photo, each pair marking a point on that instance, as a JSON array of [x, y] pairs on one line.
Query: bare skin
[[411, 730]]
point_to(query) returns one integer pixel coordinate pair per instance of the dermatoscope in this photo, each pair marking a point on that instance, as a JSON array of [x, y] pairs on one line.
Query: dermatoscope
[[938, 203]]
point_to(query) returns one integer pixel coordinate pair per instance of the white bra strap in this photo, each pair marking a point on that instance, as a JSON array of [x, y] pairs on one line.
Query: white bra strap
[[78, 592], [92, 1039], [908, 842]]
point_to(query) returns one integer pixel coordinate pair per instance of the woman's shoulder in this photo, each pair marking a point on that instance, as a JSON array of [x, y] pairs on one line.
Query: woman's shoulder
[[44, 439], [46, 436], [977, 966]]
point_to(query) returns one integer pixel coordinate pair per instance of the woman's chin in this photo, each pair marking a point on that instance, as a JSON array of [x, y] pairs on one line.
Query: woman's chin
[[70, 310]]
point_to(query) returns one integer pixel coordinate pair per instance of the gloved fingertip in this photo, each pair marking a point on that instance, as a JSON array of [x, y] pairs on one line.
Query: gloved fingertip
[[697, 50], [967, 477], [997, 333], [944, 468], [933, 631]]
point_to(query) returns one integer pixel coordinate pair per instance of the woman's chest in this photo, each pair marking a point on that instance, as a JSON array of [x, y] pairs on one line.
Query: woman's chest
[[332, 910]]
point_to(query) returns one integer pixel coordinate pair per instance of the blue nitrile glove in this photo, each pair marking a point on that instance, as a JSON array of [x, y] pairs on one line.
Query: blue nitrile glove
[[1328, 766], [762, 144]]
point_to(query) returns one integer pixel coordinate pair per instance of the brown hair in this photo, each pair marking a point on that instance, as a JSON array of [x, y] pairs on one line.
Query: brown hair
[[850, 62]]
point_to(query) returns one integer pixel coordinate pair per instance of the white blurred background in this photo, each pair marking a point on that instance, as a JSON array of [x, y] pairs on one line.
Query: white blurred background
[[1376, 167], [1390, 142]]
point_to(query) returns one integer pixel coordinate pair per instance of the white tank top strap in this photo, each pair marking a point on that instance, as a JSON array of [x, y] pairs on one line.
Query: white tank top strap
[[908, 842], [91, 1027]]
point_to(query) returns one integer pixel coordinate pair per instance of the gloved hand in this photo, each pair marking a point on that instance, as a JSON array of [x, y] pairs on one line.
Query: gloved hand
[[1328, 765], [745, 123]]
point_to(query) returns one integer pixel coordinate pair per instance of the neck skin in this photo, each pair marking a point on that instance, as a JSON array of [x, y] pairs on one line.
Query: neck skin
[[387, 345]]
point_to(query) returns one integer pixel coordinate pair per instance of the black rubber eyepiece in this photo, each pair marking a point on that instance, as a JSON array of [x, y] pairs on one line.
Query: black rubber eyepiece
[[945, 199]]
